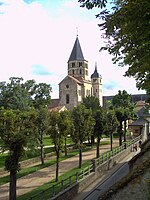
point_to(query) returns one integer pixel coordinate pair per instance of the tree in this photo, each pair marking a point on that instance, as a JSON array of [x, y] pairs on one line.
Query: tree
[[92, 102], [15, 94], [83, 126], [56, 134], [112, 124], [99, 127], [16, 130], [127, 31], [66, 126], [122, 103], [42, 97], [42, 126]]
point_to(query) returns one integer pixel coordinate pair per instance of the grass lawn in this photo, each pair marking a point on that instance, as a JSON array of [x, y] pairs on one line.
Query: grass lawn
[[49, 184], [26, 171]]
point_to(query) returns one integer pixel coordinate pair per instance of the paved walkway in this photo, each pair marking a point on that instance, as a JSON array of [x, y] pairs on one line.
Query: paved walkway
[[36, 179]]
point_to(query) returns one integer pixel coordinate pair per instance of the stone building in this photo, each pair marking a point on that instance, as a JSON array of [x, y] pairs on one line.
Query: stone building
[[76, 85]]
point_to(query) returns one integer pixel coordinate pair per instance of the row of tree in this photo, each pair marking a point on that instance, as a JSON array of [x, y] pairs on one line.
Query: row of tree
[[25, 119]]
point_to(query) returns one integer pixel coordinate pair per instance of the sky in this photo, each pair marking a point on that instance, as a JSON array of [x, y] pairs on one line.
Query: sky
[[37, 37]]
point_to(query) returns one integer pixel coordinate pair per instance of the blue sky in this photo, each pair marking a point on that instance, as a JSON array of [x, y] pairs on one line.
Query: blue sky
[[37, 36]]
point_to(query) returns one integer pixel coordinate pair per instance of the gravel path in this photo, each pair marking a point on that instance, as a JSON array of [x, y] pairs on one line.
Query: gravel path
[[36, 179]]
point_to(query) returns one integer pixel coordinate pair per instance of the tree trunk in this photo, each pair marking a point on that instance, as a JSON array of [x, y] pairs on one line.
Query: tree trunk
[[57, 165], [97, 149], [120, 134], [12, 185], [92, 139], [125, 132], [65, 146], [111, 141], [80, 157], [42, 154]]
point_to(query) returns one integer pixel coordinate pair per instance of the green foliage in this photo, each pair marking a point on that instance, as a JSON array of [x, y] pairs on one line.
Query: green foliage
[[83, 124], [42, 96], [16, 130], [17, 94], [127, 31], [112, 122], [100, 123], [89, 4]]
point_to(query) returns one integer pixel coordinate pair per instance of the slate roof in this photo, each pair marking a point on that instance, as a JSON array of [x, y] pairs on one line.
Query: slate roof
[[76, 53], [95, 74], [139, 122]]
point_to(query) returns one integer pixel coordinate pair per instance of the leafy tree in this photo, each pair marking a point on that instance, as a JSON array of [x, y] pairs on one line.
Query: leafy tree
[[124, 108], [92, 102], [66, 126], [42, 126], [99, 127], [112, 124], [15, 95], [42, 97], [83, 126], [55, 130], [16, 130], [127, 31]]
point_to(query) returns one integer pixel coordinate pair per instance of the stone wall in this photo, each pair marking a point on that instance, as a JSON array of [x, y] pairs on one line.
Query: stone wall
[[136, 185], [72, 191]]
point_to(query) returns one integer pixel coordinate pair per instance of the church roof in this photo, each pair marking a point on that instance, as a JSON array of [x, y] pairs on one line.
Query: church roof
[[76, 53], [95, 74]]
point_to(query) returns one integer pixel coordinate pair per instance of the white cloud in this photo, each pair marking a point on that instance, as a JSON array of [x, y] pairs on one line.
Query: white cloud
[[32, 35]]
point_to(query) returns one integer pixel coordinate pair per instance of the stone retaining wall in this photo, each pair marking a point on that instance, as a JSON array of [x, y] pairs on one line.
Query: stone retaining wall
[[72, 191]]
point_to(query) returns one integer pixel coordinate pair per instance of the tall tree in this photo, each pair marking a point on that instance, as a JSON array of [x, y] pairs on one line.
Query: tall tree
[[127, 31], [83, 126], [42, 125], [92, 102], [56, 130], [124, 108], [16, 130], [99, 127], [112, 124], [41, 99], [66, 126]]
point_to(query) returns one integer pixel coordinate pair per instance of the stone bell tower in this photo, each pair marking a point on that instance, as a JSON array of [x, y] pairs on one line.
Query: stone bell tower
[[96, 80]]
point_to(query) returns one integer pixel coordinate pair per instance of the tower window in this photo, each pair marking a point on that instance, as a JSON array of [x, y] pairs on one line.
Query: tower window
[[73, 64], [80, 64], [73, 71], [80, 71], [67, 86], [67, 98]]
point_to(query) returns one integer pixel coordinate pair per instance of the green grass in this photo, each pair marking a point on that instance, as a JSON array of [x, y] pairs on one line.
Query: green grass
[[26, 171], [49, 184]]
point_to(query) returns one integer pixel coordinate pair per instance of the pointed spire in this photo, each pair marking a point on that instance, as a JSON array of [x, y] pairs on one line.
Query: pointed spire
[[95, 74], [76, 53]]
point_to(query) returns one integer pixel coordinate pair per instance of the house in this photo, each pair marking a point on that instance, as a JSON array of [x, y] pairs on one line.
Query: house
[[142, 125]]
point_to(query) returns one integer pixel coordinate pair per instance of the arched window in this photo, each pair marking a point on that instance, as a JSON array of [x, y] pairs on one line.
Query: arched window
[[67, 98]]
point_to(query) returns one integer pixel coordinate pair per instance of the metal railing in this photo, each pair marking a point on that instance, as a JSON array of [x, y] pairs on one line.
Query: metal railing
[[69, 181]]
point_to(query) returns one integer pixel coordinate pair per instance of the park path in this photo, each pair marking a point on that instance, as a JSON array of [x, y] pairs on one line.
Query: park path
[[36, 179]]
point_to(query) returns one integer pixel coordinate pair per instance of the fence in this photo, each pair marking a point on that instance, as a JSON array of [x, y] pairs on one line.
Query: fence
[[65, 183]]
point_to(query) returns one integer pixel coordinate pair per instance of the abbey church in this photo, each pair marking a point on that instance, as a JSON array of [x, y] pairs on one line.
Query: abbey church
[[77, 85]]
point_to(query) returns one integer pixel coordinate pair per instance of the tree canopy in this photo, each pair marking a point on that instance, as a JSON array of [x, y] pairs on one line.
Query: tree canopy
[[127, 31]]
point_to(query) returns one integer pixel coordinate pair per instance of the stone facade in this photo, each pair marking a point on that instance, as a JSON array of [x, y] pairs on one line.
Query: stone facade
[[76, 85]]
